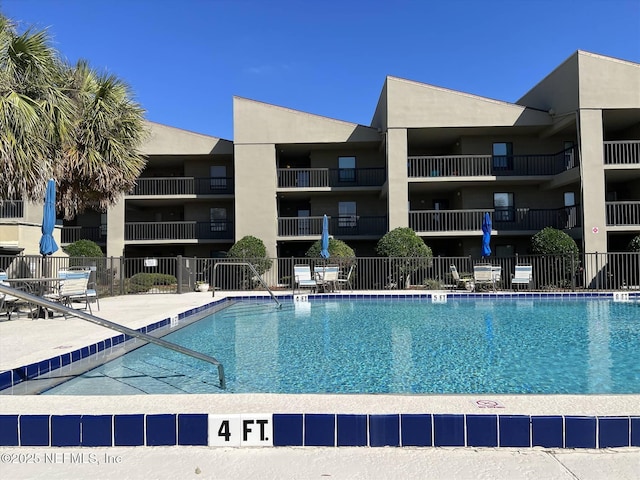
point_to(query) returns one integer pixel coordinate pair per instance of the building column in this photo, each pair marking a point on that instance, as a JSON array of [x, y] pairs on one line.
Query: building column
[[256, 177], [594, 213], [115, 229], [397, 178]]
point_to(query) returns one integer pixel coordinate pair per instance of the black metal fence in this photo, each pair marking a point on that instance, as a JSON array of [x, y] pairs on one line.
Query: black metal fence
[[123, 276]]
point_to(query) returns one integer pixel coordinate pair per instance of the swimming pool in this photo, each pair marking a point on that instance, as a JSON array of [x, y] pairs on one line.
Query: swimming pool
[[392, 346]]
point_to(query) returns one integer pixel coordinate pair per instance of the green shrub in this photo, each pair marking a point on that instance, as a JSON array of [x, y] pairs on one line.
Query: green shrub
[[143, 282], [403, 242], [563, 248], [251, 249], [634, 244], [550, 241], [83, 248], [407, 253], [337, 249]]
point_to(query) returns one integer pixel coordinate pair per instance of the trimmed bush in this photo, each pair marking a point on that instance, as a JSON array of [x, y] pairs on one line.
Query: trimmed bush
[[407, 253], [550, 241], [143, 282], [83, 248], [337, 249], [252, 250], [403, 242]]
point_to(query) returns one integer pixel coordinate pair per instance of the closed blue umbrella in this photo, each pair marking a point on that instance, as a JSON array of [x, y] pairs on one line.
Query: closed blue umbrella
[[324, 241], [486, 235], [48, 245]]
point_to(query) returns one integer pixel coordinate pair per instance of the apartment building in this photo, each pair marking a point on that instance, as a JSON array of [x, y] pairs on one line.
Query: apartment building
[[566, 155]]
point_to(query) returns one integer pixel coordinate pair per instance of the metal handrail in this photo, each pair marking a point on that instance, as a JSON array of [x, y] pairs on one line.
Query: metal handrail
[[117, 327], [255, 272]]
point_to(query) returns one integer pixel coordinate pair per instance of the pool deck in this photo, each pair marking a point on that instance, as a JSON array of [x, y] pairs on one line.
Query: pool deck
[[24, 341]]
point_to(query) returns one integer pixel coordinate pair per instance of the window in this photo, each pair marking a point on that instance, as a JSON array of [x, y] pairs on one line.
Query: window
[[504, 207], [569, 199], [218, 219], [503, 156], [218, 177], [347, 169], [347, 215]]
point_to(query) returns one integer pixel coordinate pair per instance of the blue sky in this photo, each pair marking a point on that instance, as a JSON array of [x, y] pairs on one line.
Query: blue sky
[[186, 59]]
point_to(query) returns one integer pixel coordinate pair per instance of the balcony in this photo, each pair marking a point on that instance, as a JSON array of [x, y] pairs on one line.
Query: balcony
[[341, 226], [152, 231], [623, 213], [330, 177], [507, 219], [622, 153], [11, 209], [70, 234], [183, 186], [492, 165]]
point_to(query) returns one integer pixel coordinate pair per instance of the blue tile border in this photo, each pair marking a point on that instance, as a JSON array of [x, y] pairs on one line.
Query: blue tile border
[[329, 430]]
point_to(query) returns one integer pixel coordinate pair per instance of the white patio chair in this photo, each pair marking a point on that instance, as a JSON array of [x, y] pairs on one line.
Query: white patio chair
[[303, 279], [523, 276]]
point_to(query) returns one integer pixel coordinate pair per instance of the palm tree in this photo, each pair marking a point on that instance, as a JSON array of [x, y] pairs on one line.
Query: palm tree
[[70, 123]]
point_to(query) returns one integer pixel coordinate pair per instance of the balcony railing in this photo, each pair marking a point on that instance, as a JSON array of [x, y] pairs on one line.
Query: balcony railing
[[183, 186], [330, 177], [623, 213], [12, 209], [214, 230], [340, 226], [70, 234], [507, 219], [491, 165], [622, 153]]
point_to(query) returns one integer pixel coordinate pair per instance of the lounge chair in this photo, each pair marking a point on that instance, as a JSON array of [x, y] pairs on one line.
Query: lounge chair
[[326, 277], [303, 279], [522, 276], [460, 282], [92, 291], [345, 279], [72, 288], [483, 276]]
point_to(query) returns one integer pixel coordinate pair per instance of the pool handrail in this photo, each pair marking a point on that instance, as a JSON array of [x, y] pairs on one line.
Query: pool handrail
[[253, 270], [42, 302]]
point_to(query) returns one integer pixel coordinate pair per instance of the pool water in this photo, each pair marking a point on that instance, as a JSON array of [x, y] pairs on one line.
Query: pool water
[[391, 346]]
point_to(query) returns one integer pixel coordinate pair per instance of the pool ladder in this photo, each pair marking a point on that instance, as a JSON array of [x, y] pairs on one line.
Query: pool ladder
[[41, 302], [255, 273]]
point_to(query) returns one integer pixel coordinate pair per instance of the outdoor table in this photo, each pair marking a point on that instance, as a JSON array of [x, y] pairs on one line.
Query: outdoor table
[[37, 286]]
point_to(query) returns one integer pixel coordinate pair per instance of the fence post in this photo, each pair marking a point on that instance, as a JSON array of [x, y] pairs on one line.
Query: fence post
[[573, 273], [121, 270], [179, 273]]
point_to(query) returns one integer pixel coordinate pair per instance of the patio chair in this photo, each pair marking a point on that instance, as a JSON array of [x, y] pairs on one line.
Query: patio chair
[[483, 276], [303, 279], [326, 277], [460, 282], [523, 276], [92, 291], [345, 279], [72, 288], [10, 304]]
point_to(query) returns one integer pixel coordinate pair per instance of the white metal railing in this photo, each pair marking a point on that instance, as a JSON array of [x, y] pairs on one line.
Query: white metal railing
[[622, 152], [623, 213], [55, 306]]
